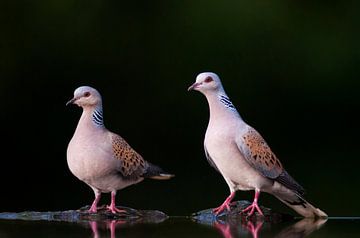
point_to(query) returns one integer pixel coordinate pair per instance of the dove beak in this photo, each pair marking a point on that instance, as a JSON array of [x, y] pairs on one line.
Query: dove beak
[[71, 101], [194, 86]]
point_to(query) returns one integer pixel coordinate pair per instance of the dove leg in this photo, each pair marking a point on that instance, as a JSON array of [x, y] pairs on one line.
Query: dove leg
[[93, 208], [112, 208], [254, 206], [225, 204]]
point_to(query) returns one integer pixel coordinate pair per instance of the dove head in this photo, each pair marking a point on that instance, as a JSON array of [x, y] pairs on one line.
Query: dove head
[[86, 96], [207, 82]]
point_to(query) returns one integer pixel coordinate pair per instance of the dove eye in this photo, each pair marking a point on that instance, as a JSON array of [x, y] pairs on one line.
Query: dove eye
[[87, 94], [208, 80]]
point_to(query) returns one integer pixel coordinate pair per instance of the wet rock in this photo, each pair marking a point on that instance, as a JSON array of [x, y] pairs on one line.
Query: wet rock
[[235, 215], [129, 215]]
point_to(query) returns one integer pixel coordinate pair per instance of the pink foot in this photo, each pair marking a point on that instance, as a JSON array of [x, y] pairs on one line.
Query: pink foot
[[93, 209], [225, 205], [254, 206], [115, 210], [112, 208], [221, 208]]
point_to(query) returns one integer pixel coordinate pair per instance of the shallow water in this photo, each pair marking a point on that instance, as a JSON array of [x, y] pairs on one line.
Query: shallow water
[[182, 227]]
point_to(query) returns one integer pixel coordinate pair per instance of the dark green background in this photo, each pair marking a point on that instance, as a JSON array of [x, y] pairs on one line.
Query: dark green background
[[291, 67]]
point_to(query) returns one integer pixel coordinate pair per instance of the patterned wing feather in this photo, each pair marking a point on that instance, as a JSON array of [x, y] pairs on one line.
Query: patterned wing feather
[[132, 164], [259, 155]]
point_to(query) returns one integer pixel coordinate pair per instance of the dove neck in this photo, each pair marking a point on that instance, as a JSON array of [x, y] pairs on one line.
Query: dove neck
[[221, 106], [92, 116], [97, 117]]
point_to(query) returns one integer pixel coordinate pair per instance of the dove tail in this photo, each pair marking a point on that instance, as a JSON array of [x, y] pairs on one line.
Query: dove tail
[[155, 172], [162, 176], [304, 208], [296, 202]]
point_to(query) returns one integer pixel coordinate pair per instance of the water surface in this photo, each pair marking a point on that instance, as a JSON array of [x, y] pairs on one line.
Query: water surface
[[181, 227]]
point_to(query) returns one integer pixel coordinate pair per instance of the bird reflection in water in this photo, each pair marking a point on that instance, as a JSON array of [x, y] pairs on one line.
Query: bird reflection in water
[[298, 229], [302, 228], [229, 230], [104, 220], [107, 224]]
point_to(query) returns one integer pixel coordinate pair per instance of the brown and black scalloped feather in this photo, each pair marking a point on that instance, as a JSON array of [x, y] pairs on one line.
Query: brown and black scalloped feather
[[132, 165], [260, 156]]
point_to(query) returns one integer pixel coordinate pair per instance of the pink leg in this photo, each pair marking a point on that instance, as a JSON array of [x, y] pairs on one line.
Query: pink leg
[[93, 208], [225, 205], [254, 206], [112, 206]]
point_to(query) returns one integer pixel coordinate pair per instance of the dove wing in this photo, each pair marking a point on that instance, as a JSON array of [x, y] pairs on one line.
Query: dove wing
[[259, 155], [132, 165]]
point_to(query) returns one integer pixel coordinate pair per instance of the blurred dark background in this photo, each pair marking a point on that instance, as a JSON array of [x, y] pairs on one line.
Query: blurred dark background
[[290, 67]]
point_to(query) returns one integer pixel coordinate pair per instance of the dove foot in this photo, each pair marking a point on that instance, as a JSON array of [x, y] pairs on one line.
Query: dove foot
[[92, 209], [254, 206], [252, 209], [114, 209], [225, 205]]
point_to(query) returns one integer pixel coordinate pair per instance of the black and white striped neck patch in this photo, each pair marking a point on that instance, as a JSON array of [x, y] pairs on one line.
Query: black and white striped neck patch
[[97, 117], [226, 101]]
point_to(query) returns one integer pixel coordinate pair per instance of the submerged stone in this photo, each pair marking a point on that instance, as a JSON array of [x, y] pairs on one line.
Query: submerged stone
[[235, 215], [234, 223], [129, 215]]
